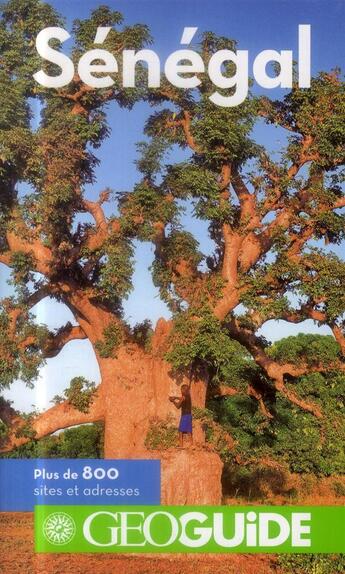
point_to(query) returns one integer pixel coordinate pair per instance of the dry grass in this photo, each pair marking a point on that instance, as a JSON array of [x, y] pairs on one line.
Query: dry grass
[[17, 557]]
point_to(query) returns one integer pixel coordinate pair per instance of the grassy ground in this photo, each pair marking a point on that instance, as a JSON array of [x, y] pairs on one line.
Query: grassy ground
[[17, 557]]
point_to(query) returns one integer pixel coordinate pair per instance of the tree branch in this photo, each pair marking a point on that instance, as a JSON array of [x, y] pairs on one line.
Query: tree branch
[[34, 247], [222, 391], [339, 337], [185, 123], [249, 213], [95, 238], [272, 368], [252, 392], [294, 399], [5, 258], [55, 343], [15, 312], [59, 417]]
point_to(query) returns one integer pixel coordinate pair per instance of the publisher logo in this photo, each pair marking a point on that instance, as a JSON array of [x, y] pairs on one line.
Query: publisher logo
[[211, 529], [59, 528]]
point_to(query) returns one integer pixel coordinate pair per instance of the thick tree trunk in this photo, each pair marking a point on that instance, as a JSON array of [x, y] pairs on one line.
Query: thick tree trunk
[[133, 396], [136, 393], [136, 390]]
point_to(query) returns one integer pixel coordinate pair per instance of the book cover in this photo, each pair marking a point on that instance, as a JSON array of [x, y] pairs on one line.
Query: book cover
[[172, 272]]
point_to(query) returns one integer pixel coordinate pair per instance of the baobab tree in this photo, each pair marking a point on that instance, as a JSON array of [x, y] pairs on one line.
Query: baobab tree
[[266, 220]]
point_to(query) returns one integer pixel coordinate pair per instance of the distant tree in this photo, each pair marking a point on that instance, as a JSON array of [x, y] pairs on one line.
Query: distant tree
[[283, 432], [263, 218], [85, 441]]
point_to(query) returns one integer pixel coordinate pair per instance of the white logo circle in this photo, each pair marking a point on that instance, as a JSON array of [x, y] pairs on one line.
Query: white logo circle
[[59, 528]]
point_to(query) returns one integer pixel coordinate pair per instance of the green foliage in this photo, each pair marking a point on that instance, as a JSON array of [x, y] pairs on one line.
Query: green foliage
[[22, 264], [120, 38], [324, 99], [156, 126], [113, 281], [306, 348], [321, 452], [257, 481], [112, 338], [56, 160], [59, 154], [161, 435], [22, 275], [204, 341], [43, 448], [144, 208], [202, 414], [85, 441], [16, 360], [331, 226], [20, 22], [179, 247], [142, 334], [26, 429], [326, 276], [322, 448], [216, 436], [3, 428], [151, 155], [312, 563], [79, 394], [9, 363], [192, 181], [269, 286], [241, 417], [258, 293], [223, 133], [84, 30]]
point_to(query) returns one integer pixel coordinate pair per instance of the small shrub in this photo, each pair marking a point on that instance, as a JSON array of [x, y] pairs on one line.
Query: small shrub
[[161, 435], [338, 488], [79, 394], [312, 563]]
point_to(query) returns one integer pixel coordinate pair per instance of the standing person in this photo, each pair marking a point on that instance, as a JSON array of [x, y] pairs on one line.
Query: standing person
[[185, 404]]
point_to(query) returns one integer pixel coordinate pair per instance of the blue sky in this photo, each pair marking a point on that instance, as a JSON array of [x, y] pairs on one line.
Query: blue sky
[[256, 25]]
